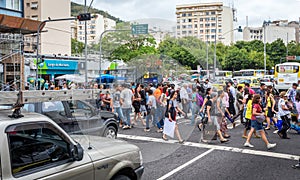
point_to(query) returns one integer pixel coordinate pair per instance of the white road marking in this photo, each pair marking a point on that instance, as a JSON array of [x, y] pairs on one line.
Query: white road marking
[[215, 147], [185, 165]]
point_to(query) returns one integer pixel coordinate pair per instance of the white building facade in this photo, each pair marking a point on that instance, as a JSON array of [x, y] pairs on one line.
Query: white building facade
[[95, 27], [271, 31], [209, 22]]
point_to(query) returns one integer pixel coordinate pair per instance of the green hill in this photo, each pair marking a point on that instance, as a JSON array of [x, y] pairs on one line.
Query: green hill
[[78, 8]]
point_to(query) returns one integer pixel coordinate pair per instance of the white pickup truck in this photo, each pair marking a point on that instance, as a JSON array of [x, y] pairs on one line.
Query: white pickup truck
[[34, 147]]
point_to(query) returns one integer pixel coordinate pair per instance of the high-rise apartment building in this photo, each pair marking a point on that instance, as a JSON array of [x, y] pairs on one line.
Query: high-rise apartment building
[[272, 31], [209, 22], [95, 27], [56, 36]]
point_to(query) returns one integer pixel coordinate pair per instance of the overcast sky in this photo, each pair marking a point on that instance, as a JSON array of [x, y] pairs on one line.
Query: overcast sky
[[256, 10]]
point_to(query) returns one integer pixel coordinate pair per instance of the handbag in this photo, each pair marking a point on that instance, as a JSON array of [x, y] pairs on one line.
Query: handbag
[[260, 118]]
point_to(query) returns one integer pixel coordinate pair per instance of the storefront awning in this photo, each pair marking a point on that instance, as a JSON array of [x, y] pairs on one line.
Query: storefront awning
[[13, 24]]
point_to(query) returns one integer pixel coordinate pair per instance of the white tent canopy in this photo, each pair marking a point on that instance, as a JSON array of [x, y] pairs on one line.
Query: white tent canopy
[[76, 78]]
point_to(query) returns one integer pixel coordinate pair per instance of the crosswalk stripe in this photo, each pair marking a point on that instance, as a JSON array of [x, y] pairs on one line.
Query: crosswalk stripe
[[215, 147]]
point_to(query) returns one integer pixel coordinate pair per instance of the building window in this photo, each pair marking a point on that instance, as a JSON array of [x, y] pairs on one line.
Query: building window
[[183, 32], [13, 4], [190, 32], [207, 13], [190, 26], [196, 26], [220, 30], [190, 14], [201, 19], [178, 27], [189, 20], [207, 25], [34, 17], [213, 24], [34, 5], [201, 25], [213, 18], [183, 20], [207, 31], [213, 30], [213, 36], [183, 26], [201, 31], [213, 13], [183, 15]]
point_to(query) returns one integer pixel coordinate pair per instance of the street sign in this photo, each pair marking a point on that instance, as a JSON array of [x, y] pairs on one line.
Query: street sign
[[137, 29]]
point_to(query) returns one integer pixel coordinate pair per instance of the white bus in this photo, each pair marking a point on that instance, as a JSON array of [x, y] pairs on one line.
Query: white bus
[[286, 74]]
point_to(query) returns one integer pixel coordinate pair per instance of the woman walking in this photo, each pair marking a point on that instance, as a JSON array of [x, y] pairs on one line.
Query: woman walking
[[270, 109], [136, 103], [256, 125], [173, 109], [221, 114], [210, 111]]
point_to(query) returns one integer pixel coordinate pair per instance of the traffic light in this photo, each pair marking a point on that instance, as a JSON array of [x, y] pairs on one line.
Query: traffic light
[[240, 29], [84, 17]]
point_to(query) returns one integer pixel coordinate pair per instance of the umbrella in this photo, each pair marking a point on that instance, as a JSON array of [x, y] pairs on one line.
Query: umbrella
[[106, 78]]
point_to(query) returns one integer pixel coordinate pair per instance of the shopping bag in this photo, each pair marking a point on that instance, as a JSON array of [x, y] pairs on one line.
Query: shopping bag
[[209, 131], [169, 127]]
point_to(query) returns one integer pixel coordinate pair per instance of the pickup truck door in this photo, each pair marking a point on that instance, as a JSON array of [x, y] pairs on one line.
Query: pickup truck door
[[43, 151]]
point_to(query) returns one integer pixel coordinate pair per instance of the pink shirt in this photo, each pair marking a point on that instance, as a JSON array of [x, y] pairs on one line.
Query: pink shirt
[[298, 108]]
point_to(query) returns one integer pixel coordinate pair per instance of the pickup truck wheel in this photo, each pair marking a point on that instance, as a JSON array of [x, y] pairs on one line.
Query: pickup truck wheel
[[110, 132], [121, 177]]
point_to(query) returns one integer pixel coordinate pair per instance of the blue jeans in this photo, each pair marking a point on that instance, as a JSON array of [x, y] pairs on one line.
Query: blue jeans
[[195, 110], [126, 113], [118, 110], [152, 115]]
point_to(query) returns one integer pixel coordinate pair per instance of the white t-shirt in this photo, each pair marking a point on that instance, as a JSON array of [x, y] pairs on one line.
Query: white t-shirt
[[126, 95], [152, 100], [282, 112], [232, 90]]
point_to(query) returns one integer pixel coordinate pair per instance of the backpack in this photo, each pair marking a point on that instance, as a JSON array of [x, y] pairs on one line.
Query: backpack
[[199, 99]]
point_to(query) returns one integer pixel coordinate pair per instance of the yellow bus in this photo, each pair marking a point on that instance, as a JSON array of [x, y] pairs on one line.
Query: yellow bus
[[286, 74]]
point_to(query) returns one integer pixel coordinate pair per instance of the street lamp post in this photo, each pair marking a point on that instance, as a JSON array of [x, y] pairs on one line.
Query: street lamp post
[[100, 47], [265, 54]]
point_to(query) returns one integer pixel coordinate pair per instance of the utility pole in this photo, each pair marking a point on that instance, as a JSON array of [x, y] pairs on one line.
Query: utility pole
[[85, 43]]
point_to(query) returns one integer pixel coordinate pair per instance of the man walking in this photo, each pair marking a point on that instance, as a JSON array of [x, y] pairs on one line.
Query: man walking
[[126, 102]]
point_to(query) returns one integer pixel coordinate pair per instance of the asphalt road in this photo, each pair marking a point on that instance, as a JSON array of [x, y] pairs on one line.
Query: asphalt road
[[214, 161]]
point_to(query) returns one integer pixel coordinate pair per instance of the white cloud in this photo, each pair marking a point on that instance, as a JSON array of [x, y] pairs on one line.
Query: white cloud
[[256, 10]]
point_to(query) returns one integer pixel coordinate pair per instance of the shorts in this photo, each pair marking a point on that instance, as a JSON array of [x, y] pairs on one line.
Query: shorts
[[137, 107], [256, 125], [270, 114]]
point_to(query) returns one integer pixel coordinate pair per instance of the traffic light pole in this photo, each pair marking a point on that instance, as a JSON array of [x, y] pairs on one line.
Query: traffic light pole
[[38, 42]]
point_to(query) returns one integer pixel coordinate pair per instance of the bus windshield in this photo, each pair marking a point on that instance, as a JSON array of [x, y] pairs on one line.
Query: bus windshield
[[287, 69]]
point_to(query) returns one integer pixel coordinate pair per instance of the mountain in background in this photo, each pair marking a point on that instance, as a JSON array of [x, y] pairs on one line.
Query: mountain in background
[[78, 8]]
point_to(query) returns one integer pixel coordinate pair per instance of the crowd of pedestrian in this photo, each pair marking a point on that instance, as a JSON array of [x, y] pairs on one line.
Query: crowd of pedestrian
[[202, 104]]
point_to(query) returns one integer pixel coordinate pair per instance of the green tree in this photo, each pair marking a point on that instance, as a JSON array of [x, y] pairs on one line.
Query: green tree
[[172, 49], [276, 51], [76, 46], [293, 48]]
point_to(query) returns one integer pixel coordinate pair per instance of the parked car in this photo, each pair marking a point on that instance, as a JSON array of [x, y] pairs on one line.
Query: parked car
[[34, 147], [78, 117]]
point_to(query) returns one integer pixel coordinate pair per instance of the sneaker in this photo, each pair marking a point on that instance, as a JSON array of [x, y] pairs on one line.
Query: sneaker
[[248, 145], [146, 130], [276, 131], [270, 146], [126, 127]]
